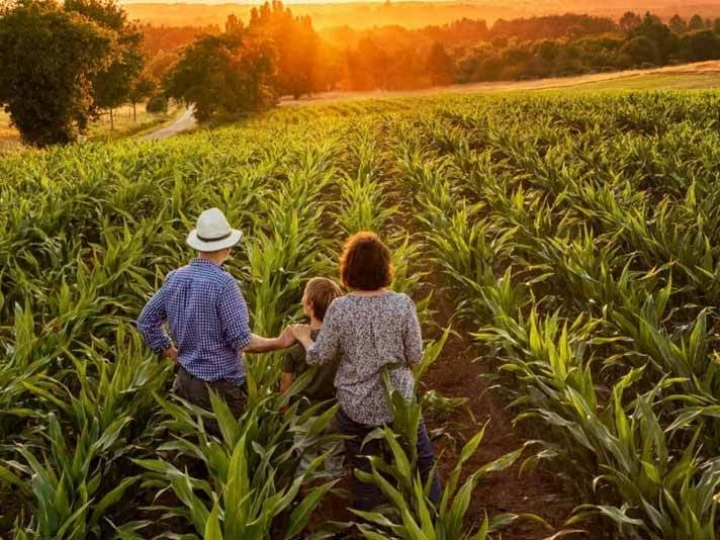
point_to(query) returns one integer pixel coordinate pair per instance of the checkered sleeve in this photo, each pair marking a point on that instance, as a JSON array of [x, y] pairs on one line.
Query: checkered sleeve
[[234, 317], [151, 321]]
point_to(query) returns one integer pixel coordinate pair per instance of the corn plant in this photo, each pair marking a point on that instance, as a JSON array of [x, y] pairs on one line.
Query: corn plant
[[252, 491], [410, 514]]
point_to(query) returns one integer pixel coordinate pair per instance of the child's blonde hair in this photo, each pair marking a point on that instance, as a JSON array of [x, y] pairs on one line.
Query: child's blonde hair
[[320, 292]]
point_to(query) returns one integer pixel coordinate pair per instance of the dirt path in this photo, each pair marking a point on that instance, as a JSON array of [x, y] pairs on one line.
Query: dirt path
[[185, 122], [458, 373]]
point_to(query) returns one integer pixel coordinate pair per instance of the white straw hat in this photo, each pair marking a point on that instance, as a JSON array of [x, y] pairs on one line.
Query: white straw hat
[[213, 232]]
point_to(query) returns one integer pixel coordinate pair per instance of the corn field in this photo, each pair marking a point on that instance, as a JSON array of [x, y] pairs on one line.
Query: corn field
[[578, 236]]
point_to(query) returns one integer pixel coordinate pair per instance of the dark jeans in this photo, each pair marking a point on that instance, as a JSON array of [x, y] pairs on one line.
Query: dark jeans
[[368, 496], [195, 390]]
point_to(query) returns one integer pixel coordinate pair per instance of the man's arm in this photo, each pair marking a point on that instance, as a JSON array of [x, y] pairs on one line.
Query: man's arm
[[259, 344], [150, 325], [235, 320]]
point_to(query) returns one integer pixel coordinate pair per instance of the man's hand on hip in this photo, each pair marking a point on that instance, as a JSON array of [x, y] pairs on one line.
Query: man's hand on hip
[[171, 353]]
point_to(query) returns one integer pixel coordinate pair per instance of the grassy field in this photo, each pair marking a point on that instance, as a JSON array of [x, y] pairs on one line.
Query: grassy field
[[569, 239], [655, 81], [125, 125]]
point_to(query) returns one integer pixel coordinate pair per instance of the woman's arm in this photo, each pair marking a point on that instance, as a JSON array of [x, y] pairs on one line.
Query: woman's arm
[[412, 336], [327, 345]]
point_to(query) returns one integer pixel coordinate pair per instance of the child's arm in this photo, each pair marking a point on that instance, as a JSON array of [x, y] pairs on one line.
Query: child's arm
[[286, 381]]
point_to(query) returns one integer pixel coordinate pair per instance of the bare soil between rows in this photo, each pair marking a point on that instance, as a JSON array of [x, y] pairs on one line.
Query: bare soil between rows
[[459, 373]]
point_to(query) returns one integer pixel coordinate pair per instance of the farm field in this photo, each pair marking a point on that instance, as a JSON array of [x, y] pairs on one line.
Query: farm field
[[569, 240]]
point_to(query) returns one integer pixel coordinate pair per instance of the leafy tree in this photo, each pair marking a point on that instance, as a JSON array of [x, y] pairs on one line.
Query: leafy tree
[[659, 39], [159, 66], [48, 60], [113, 85], [678, 25], [440, 66], [157, 105], [375, 62], [226, 74], [696, 23], [142, 87], [629, 22], [233, 25], [642, 51], [297, 45], [700, 46]]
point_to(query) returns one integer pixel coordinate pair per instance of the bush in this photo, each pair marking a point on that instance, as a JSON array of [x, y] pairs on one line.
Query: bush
[[157, 105]]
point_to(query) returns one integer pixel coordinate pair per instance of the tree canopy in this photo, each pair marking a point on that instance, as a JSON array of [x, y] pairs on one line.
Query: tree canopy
[[60, 64], [48, 60], [227, 74]]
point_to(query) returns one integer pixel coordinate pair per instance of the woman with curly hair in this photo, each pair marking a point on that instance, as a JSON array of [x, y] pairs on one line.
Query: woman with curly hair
[[371, 329]]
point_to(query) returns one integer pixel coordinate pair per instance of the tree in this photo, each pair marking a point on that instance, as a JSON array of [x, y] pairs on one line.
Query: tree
[[143, 86], [641, 51], [659, 38], [157, 105], [233, 24], [226, 74], [696, 23], [629, 22], [678, 25], [700, 46], [440, 66], [48, 59], [113, 85], [297, 45]]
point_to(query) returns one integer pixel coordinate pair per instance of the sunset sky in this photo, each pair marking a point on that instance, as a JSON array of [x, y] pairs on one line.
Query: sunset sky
[[407, 13]]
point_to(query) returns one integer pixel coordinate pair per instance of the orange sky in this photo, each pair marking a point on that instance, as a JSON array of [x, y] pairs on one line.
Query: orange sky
[[329, 13]]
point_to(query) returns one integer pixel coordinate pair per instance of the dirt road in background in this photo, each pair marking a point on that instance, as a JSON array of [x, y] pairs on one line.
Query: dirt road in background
[[184, 122]]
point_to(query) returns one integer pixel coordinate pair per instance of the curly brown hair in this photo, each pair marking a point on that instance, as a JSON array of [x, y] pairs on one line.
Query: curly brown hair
[[365, 263]]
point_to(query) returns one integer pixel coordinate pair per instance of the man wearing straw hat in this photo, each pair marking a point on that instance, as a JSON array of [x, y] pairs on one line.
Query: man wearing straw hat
[[208, 319]]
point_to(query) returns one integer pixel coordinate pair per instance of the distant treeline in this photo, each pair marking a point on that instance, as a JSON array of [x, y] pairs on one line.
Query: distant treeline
[[63, 62], [465, 51]]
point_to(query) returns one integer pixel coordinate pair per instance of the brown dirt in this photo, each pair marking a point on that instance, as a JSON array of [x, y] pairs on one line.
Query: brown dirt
[[457, 373]]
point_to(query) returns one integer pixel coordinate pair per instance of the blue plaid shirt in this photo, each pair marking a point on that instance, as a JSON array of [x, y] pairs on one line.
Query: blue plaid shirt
[[208, 319]]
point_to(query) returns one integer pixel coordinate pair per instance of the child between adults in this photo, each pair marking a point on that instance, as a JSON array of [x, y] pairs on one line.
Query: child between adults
[[318, 295]]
